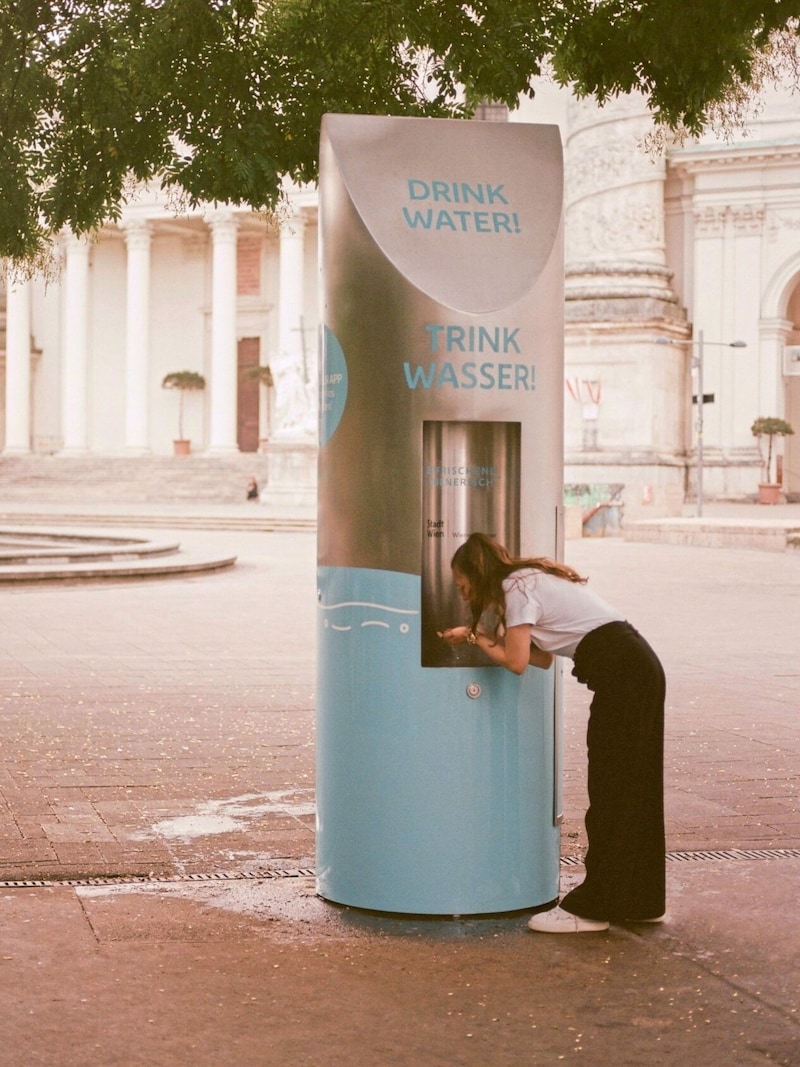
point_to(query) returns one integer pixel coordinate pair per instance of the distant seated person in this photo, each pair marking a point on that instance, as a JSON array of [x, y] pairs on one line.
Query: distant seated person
[[252, 489]]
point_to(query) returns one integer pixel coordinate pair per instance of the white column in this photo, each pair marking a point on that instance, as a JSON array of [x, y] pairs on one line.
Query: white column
[[769, 398], [739, 382], [614, 196], [75, 348], [293, 416], [137, 429], [709, 273], [223, 436], [18, 365]]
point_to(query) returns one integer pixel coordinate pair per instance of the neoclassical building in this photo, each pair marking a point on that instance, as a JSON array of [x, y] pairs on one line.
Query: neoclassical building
[[218, 292], [670, 258]]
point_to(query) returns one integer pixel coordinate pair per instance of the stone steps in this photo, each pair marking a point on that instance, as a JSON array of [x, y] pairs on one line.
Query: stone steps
[[768, 535], [131, 479], [22, 546], [258, 521], [54, 555]]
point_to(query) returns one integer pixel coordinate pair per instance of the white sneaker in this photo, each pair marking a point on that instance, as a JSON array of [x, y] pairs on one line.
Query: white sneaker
[[558, 921], [656, 919]]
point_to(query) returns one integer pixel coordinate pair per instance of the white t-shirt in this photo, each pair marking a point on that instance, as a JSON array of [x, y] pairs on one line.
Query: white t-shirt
[[558, 611]]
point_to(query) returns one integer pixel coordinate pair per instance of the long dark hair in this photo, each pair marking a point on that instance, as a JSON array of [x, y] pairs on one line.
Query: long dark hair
[[486, 564]]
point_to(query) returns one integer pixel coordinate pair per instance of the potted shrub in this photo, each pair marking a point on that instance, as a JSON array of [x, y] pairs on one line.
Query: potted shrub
[[770, 427], [183, 381]]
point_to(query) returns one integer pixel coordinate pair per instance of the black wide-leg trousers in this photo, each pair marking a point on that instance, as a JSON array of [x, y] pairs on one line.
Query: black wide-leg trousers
[[625, 860]]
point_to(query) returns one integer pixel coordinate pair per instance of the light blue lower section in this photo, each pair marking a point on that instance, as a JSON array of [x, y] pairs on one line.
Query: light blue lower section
[[429, 802]]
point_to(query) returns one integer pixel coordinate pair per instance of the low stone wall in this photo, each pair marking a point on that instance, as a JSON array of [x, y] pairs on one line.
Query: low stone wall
[[716, 533]]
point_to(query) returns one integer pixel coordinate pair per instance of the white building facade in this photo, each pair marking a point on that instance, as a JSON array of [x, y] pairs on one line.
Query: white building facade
[[659, 248], [219, 292], [698, 248]]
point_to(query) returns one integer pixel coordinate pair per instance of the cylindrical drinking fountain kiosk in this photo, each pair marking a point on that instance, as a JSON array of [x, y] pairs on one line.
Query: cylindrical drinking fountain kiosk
[[441, 401]]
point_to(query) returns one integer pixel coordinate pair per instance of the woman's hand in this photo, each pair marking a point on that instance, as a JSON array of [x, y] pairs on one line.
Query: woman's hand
[[456, 636], [513, 651]]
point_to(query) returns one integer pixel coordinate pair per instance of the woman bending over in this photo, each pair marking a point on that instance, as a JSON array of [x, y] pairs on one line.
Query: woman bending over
[[544, 609]]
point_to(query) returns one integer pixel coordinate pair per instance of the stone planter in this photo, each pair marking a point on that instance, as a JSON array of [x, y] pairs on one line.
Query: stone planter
[[769, 493], [182, 447]]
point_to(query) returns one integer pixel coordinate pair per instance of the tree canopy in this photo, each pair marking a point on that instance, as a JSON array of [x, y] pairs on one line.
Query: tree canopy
[[222, 99]]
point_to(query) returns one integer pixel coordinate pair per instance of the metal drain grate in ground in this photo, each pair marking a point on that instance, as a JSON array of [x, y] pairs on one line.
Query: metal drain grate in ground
[[165, 879], [736, 854], [713, 854], [268, 873]]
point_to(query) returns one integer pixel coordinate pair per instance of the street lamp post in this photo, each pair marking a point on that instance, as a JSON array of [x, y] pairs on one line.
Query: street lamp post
[[697, 364]]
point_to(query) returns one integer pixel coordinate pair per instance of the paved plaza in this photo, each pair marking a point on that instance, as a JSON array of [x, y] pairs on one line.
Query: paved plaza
[[157, 797]]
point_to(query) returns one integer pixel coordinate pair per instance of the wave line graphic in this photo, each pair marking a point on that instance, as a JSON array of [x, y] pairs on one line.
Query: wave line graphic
[[368, 604]]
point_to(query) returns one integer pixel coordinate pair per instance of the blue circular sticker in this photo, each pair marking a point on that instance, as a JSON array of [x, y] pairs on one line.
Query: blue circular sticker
[[333, 390]]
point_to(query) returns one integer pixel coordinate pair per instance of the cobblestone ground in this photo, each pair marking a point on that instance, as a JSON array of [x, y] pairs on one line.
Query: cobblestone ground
[[166, 729], [160, 727]]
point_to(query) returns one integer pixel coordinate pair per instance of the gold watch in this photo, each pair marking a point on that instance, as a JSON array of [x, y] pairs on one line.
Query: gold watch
[[472, 638]]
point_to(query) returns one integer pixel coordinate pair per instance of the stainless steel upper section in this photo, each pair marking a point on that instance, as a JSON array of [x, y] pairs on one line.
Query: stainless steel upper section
[[454, 315]]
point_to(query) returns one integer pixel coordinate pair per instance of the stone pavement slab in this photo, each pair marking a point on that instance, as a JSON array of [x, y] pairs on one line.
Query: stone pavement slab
[[166, 730], [128, 704], [269, 976]]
